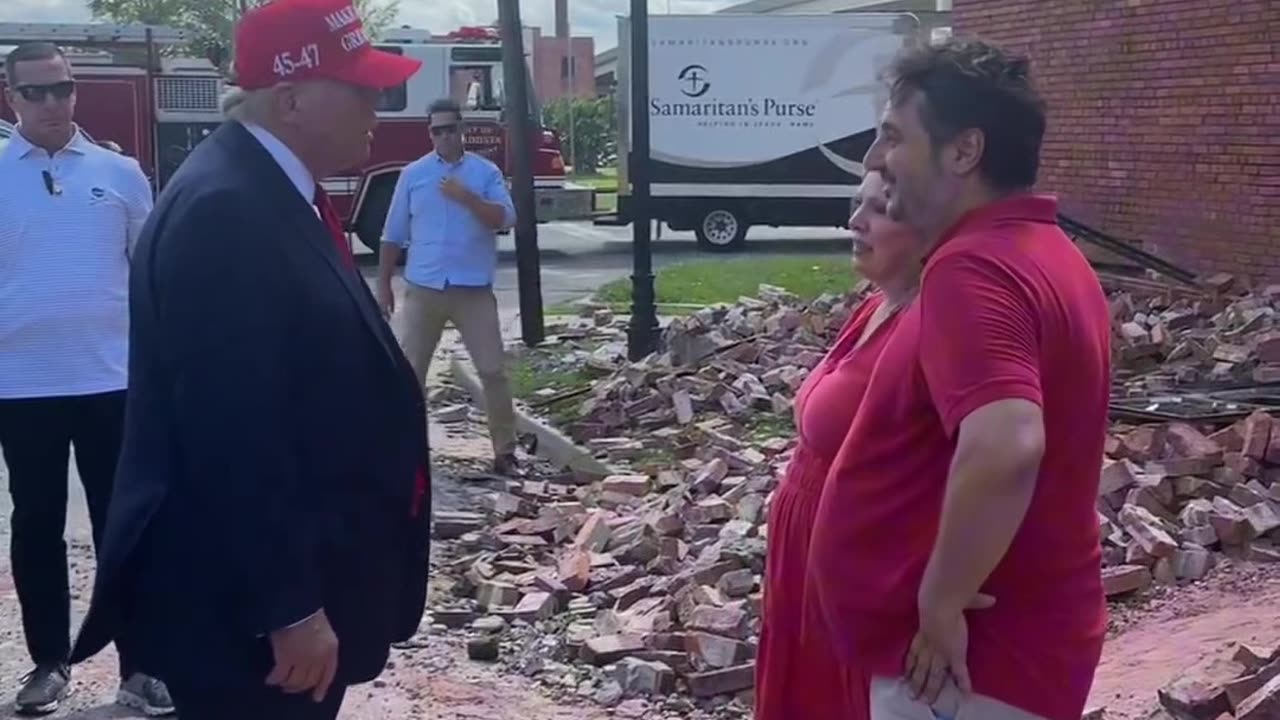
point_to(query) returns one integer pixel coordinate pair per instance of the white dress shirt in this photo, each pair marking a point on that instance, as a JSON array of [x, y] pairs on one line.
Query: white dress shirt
[[301, 178], [65, 244], [288, 161]]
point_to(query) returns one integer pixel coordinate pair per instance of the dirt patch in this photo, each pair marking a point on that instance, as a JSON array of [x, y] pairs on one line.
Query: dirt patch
[[1177, 628]]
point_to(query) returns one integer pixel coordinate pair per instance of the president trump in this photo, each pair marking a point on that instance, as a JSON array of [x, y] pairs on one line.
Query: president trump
[[267, 537]]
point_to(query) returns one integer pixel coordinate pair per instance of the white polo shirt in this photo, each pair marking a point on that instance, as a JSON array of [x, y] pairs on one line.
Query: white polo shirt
[[64, 267]]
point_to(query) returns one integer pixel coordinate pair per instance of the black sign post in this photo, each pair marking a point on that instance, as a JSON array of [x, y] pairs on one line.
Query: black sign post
[[642, 338], [520, 130]]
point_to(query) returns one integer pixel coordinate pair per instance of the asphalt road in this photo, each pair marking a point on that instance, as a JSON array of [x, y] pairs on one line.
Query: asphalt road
[[578, 257]]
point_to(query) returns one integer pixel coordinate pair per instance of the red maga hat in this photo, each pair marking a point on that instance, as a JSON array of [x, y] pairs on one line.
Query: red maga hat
[[295, 40]]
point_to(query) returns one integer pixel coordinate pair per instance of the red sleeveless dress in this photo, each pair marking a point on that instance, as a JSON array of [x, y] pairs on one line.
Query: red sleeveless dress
[[797, 674]]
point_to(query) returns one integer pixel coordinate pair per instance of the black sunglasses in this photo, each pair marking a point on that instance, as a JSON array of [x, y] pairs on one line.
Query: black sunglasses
[[439, 130], [38, 93]]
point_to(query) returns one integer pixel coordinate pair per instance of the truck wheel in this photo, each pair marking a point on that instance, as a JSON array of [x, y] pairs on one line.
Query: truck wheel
[[721, 230], [373, 213]]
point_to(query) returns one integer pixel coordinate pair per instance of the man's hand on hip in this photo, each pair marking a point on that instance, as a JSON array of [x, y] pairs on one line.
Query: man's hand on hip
[[940, 651], [306, 657]]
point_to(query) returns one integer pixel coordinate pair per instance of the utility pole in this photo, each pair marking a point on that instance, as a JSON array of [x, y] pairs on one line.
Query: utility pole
[[572, 97], [642, 338], [519, 132]]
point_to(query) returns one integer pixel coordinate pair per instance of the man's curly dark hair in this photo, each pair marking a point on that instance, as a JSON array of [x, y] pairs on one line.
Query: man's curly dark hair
[[967, 84]]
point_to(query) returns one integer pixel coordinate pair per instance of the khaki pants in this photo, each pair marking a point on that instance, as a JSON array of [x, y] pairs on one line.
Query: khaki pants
[[891, 699], [474, 312]]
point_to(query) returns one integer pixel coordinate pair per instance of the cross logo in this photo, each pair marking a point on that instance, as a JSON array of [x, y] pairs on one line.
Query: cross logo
[[694, 81]]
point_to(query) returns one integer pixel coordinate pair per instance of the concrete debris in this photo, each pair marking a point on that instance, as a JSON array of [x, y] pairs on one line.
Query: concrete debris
[[644, 585], [452, 414], [738, 367], [1244, 685], [1173, 496], [1226, 335], [483, 648], [642, 677]]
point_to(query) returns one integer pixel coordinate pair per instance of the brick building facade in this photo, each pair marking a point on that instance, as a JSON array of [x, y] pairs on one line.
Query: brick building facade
[[563, 66], [1164, 119]]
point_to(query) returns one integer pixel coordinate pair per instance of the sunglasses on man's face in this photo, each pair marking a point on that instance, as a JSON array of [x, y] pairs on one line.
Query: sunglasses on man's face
[[38, 93], [438, 130]]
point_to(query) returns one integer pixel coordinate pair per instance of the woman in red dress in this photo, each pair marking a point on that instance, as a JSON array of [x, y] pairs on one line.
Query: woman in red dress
[[797, 674]]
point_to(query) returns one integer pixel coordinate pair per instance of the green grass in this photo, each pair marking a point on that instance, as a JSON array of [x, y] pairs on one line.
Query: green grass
[[532, 370], [529, 375], [761, 427], [683, 288], [602, 183]]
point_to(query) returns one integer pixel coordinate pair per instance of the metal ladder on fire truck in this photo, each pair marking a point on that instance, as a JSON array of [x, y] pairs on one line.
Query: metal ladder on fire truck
[[178, 103], [91, 34]]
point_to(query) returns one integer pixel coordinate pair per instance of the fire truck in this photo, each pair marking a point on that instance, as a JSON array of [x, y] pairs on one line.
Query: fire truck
[[135, 91]]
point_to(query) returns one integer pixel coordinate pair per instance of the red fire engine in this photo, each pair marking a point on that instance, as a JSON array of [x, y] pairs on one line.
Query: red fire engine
[[157, 107]]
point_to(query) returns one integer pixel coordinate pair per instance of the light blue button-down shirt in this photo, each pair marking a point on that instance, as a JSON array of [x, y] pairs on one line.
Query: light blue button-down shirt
[[447, 244]]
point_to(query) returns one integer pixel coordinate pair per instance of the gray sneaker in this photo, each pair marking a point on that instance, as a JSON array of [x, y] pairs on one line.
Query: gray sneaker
[[145, 693], [43, 689]]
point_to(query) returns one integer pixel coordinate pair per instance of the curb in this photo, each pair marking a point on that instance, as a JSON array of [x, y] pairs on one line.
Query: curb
[[552, 444]]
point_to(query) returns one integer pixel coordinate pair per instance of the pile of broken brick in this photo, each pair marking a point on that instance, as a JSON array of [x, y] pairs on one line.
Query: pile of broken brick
[[1167, 337], [1172, 494], [1245, 686], [645, 583]]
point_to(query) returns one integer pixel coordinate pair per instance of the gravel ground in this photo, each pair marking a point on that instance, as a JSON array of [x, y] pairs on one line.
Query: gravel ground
[[1158, 636]]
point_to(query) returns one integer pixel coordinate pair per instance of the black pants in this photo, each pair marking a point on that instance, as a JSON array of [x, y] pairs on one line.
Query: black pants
[[36, 436], [265, 704]]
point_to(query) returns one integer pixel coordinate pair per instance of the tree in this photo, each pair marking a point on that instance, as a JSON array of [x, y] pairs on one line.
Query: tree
[[212, 22], [592, 139]]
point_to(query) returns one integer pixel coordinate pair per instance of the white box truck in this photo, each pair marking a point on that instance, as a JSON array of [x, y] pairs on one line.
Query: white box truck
[[756, 119]]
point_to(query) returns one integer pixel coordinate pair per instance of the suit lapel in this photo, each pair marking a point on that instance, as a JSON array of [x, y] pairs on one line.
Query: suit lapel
[[315, 235]]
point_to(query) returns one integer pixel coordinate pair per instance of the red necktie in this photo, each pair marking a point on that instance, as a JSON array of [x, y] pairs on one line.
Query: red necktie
[[334, 224], [419, 492]]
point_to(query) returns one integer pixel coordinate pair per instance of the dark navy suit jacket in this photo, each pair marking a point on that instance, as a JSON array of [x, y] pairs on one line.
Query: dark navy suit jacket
[[273, 432]]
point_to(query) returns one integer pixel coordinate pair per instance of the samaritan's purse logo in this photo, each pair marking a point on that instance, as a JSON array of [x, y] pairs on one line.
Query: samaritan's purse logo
[[693, 84], [693, 81]]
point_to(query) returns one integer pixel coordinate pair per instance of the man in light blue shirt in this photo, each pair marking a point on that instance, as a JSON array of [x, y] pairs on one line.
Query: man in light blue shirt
[[446, 213]]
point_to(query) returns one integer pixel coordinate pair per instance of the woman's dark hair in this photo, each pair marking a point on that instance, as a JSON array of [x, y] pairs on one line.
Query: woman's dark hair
[[967, 84]]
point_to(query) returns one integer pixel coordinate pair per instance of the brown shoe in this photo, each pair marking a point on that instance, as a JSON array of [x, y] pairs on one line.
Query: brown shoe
[[507, 465]]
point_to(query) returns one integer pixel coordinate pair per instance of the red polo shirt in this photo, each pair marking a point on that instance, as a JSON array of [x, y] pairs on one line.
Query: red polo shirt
[[1008, 308]]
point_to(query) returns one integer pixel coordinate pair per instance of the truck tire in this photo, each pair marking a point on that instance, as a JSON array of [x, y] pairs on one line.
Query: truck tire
[[721, 229], [373, 213]]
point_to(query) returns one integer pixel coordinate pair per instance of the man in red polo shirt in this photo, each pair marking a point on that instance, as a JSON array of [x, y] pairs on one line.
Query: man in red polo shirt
[[956, 552]]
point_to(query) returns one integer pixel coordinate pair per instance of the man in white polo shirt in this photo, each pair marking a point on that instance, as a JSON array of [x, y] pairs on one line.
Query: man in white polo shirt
[[69, 215]]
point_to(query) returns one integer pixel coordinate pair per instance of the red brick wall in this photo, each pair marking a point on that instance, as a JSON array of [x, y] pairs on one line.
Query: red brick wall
[[1164, 118], [549, 54]]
